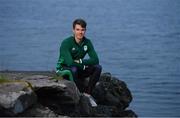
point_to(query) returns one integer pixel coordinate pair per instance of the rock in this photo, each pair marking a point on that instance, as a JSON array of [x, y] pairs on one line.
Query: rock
[[15, 97], [60, 92], [112, 92], [103, 111], [60, 96], [105, 77], [84, 106], [38, 110], [125, 113]]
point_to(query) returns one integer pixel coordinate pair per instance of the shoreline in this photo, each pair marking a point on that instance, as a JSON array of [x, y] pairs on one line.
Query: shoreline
[[24, 71], [19, 74]]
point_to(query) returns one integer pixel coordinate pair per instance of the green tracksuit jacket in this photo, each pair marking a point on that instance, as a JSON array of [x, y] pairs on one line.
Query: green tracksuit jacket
[[70, 51]]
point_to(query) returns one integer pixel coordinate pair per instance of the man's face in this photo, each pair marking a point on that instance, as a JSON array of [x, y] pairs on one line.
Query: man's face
[[79, 32]]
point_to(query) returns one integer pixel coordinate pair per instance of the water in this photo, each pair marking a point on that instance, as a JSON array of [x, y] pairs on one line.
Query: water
[[137, 40]]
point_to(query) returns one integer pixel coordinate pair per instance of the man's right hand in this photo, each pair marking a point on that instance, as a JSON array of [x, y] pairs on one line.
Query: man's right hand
[[79, 61]]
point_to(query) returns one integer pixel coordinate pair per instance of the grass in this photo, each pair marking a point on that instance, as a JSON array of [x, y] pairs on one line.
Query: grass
[[57, 77], [4, 79]]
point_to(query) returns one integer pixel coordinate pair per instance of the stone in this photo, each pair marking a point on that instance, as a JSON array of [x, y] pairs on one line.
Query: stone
[[84, 106], [61, 91], [112, 91], [61, 98], [15, 97], [125, 113], [38, 110]]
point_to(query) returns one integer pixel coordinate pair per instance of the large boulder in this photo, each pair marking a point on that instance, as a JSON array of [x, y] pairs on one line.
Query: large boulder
[[61, 96], [15, 97], [84, 106], [112, 92], [38, 110], [60, 91]]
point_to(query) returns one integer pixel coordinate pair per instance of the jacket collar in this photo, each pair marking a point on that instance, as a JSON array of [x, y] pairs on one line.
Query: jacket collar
[[81, 43]]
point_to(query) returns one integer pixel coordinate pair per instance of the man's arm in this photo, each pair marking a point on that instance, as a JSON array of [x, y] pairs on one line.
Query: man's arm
[[93, 58], [66, 55]]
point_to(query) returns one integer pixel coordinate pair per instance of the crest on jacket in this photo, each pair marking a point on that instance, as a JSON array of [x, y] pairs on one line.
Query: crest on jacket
[[73, 48], [85, 47]]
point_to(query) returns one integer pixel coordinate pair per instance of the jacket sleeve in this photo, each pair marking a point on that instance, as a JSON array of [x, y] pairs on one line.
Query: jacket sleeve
[[93, 58], [66, 55]]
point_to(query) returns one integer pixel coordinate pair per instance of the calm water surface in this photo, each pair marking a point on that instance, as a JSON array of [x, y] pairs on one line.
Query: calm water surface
[[137, 40]]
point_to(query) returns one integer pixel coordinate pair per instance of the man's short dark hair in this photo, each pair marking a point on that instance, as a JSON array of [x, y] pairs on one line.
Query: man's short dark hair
[[79, 22]]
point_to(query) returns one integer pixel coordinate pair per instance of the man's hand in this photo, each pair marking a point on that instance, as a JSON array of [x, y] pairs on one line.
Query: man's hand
[[78, 61]]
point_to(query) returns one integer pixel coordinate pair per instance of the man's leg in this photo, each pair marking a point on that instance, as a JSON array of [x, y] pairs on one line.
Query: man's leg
[[75, 72], [93, 72]]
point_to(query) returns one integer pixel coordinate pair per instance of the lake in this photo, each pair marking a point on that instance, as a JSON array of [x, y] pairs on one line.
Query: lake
[[138, 41]]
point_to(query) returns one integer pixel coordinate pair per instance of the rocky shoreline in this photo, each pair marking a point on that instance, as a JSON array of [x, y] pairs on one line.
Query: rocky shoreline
[[42, 94]]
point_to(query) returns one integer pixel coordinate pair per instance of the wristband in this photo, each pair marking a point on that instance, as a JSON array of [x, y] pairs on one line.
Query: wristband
[[80, 61]]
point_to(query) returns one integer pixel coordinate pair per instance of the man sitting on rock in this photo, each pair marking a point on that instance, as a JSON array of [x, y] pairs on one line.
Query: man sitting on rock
[[72, 51]]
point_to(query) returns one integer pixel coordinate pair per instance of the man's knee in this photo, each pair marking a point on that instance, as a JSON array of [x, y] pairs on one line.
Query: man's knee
[[98, 68], [74, 69], [97, 72]]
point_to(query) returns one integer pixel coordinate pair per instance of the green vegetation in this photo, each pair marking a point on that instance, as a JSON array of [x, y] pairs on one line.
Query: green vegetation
[[4, 79], [57, 77]]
